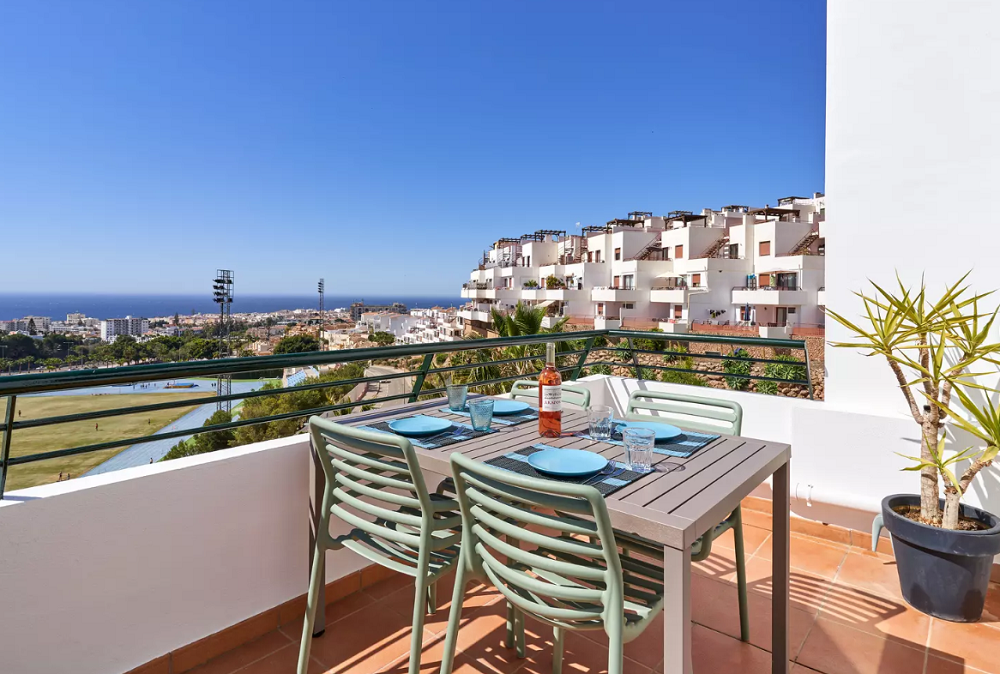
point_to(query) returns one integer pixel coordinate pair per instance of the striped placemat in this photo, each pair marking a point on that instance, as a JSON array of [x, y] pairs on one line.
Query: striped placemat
[[517, 462], [457, 433]]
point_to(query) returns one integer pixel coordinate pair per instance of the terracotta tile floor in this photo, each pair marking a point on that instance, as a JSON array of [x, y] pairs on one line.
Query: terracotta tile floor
[[847, 618]]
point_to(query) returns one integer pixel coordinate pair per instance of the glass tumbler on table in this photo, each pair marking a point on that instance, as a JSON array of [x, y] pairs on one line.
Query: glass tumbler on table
[[457, 393], [481, 411], [639, 449], [600, 418]]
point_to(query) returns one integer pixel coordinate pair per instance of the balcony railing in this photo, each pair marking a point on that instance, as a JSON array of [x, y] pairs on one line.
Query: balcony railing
[[578, 347]]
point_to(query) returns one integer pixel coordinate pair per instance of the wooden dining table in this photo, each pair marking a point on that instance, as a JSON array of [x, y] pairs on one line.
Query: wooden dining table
[[675, 504]]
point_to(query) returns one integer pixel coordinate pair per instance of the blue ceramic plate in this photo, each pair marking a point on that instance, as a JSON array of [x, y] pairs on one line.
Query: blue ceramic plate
[[663, 431], [501, 407], [419, 425], [567, 462]]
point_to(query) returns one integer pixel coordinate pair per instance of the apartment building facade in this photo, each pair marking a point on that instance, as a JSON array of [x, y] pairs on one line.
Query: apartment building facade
[[111, 328], [433, 325], [738, 265]]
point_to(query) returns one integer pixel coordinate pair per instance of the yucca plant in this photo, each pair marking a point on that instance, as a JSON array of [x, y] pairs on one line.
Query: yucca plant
[[936, 349]]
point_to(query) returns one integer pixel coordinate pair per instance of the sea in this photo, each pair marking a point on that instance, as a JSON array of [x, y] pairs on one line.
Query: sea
[[56, 306]]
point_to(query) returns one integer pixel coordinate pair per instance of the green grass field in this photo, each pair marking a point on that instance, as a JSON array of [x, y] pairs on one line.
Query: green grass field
[[75, 434]]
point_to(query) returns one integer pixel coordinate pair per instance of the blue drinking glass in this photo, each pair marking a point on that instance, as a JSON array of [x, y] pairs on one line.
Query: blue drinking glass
[[481, 411]]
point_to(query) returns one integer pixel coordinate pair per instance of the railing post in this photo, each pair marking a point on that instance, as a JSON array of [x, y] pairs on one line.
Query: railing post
[[635, 357], [421, 376], [583, 358], [809, 377], [8, 432], [318, 481]]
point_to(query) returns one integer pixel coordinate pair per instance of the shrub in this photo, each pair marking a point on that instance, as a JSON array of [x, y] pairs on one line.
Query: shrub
[[687, 378], [676, 348], [598, 369], [792, 370], [648, 374], [737, 364], [647, 344]]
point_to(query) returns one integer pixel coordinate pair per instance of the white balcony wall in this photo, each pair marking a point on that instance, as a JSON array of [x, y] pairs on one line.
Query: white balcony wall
[[541, 253], [104, 573]]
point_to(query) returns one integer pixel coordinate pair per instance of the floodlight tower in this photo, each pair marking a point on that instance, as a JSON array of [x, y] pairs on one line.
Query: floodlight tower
[[321, 287], [222, 294]]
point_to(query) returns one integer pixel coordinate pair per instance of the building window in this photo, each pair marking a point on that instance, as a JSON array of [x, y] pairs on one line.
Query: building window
[[590, 256], [734, 251], [695, 280], [628, 282], [600, 308], [597, 256], [764, 248], [628, 305], [618, 253], [615, 281], [678, 310], [679, 252], [528, 263]]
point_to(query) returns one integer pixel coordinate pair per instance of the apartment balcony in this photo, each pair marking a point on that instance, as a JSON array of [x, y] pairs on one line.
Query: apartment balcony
[[533, 293], [474, 315], [678, 295], [200, 564], [675, 326], [565, 294], [785, 297], [615, 294]]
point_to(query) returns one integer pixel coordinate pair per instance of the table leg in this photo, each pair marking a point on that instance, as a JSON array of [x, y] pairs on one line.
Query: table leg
[[676, 611], [779, 571]]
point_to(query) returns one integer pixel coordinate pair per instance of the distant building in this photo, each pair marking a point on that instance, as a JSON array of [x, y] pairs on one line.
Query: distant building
[[358, 308], [41, 324], [112, 327]]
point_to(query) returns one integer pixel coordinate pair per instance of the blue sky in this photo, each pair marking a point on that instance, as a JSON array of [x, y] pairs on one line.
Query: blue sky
[[381, 145]]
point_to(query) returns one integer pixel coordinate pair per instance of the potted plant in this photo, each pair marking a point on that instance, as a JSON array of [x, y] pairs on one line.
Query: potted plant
[[553, 283], [938, 351], [531, 283]]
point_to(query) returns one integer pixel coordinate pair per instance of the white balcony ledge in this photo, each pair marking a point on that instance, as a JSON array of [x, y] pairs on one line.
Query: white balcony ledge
[[784, 298]]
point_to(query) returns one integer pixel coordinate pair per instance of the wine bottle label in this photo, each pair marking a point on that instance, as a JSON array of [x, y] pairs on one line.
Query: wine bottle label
[[551, 399]]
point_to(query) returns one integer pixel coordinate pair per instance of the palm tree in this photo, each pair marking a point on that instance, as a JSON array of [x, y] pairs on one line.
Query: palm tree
[[524, 320]]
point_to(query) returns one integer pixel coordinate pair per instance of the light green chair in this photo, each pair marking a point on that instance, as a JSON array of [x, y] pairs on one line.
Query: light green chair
[[527, 390], [564, 572], [374, 484], [708, 415]]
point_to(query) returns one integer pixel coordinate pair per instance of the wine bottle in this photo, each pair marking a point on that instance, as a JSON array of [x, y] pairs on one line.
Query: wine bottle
[[550, 396]]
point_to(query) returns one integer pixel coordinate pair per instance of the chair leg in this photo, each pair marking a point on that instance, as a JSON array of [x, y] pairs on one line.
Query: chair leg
[[312, 599], [519, 633], [420, 595], [741, 575], [557, 650], [432, 598], [616, 651], [511, 625], [454, 618]]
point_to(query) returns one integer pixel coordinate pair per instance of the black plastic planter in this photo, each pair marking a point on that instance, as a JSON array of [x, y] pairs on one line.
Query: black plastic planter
[[942, 573]]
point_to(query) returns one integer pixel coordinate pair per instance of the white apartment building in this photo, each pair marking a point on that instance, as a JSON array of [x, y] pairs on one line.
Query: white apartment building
[[382, 321], [40, 323], [433, 325], [738, 265], [112, 327]]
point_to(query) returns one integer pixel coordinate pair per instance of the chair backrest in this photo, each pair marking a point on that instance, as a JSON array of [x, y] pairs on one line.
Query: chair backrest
[[534, 540], [699, 413], [374, 484], [527, 390]]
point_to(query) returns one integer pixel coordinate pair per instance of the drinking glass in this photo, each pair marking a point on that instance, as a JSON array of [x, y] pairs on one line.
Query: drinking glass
[[639, 449], [457, 393], [600, 418], [481, 411]]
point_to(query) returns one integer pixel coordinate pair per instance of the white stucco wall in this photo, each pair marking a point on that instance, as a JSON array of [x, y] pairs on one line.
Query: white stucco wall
[[101, 574], [912, 104]]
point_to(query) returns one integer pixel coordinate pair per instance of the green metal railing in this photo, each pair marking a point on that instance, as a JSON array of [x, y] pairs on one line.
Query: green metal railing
[[577, 349]]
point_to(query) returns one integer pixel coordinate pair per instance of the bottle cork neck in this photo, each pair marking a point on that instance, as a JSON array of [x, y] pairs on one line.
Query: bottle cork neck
[[550, 354]]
